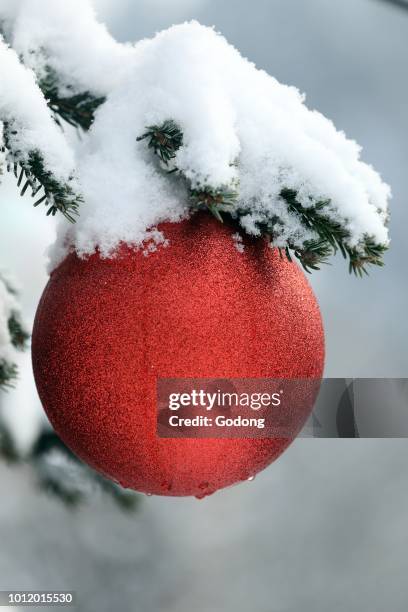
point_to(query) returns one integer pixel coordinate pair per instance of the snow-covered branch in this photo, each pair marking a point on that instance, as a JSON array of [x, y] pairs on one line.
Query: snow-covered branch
[[35, 148], [13, 335], [249, 147]]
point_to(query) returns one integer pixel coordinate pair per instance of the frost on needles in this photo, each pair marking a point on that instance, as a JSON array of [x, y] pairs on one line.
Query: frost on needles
[[180, 122]]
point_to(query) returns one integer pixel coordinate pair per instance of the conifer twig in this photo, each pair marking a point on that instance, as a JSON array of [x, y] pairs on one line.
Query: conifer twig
[[331, 235], [76, 109], [31, 173]]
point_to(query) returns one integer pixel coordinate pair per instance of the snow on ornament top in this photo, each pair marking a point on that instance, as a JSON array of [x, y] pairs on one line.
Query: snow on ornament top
[[227, 136]]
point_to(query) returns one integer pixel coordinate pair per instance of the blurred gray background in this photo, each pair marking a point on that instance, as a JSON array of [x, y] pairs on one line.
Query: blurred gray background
[[326, 526]]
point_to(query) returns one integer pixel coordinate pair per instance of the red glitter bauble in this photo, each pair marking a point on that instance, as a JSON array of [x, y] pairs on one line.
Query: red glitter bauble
[[106, 329]]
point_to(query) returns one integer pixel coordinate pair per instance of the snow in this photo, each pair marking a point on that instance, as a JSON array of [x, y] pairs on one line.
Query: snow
[[240, 125], [67, 32]]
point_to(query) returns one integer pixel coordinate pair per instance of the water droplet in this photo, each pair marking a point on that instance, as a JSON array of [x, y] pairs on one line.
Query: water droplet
[[149, 494], [251, 478]]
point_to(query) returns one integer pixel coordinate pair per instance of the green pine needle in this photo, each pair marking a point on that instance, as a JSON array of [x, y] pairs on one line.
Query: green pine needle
[[8, 374], [333, 236], [213, 200], [165, 139], [77, 109], [19, 336], [313, 254], [32, 174], [19, 339]]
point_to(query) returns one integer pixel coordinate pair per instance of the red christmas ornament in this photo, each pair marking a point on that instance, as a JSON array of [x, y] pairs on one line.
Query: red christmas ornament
[[106, 329]]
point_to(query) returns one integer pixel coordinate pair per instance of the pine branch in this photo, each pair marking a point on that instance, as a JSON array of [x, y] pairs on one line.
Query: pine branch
[[127, 500], [313, 254], [58, 483], [165, 139], [8, 374], [57, 487], [77, 109], [332, 235], [30, 171], [8, 450], [373, 254], [32, 174], [19, 336], [47, 442], [213, 200]]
